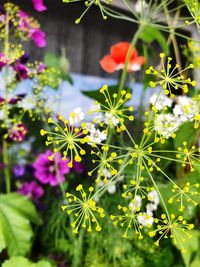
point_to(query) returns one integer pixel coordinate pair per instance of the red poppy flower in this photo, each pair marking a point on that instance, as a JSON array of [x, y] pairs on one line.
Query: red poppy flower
[[117, 58]]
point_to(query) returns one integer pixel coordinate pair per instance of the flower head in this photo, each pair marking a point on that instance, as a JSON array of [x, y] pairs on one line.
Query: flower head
[[170, 78], [76, 116], [117, 58], [189, 155], [160, 101], [84, 209], [32, 190], [166, 125], [17, 132], [68, 138], [185, 194], [18, 170], [38, 37], [188, 109], [174, 228], [128, 219], [50, 171], [21, 71], [114, 110], [30, 29]]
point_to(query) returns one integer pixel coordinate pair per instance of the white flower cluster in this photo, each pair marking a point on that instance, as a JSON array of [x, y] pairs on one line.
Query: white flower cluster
[[95, 135], [76, 116], [183, 109], [166, 124], [146, 218], [160, 101], [186, 108]]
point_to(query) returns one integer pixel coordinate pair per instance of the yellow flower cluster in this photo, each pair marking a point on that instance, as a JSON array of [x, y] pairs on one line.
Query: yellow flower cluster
[[84, 210], [113, 109], [128, 220], [136, 188], [189, 156], [185, 194], [66, 138], [171, 227], [170, 77], [194, 9]]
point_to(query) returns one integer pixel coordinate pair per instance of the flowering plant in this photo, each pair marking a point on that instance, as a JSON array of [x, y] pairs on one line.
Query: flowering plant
[[130, 171]]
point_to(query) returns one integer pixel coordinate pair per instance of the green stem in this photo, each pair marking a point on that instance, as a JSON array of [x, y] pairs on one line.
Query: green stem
[[157, 189], [125, 69], [122, 84], [6, 169]]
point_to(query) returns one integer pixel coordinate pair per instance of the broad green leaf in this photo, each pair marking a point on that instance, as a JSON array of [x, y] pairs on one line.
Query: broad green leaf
[[192, 247], [16, 215], [2, 240], [150, 34], [195, 262], [24, 262]]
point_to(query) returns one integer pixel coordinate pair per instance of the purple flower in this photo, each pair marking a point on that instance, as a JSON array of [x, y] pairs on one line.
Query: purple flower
[[16, 99], [39, 5], [31, 29], [21, 71], [38, 37], [18, 170], [50, 172], [32, 190], [17, 132], [24, 59]]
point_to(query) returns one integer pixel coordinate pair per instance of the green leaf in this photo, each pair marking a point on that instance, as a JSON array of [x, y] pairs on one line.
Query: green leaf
[[150, 34], [196, 262], [24, 262], [2, 240], [51, 60], [96, 95], [185, 132], [16, 214]]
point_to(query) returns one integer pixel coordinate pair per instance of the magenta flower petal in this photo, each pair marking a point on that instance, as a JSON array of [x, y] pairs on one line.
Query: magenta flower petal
[[38, 37], [39, 5], [21, 71], [50, 172], [32, 190]]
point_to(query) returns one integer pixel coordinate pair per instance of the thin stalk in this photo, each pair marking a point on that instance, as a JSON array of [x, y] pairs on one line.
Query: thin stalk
[[123, 82], [125, 69], [5, 145], [6, 169]]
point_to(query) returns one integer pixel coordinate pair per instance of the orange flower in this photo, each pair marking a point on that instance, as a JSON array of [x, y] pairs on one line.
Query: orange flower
[[117, 58]]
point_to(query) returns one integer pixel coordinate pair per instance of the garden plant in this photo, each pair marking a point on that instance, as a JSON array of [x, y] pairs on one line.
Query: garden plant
[[118, 186]]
